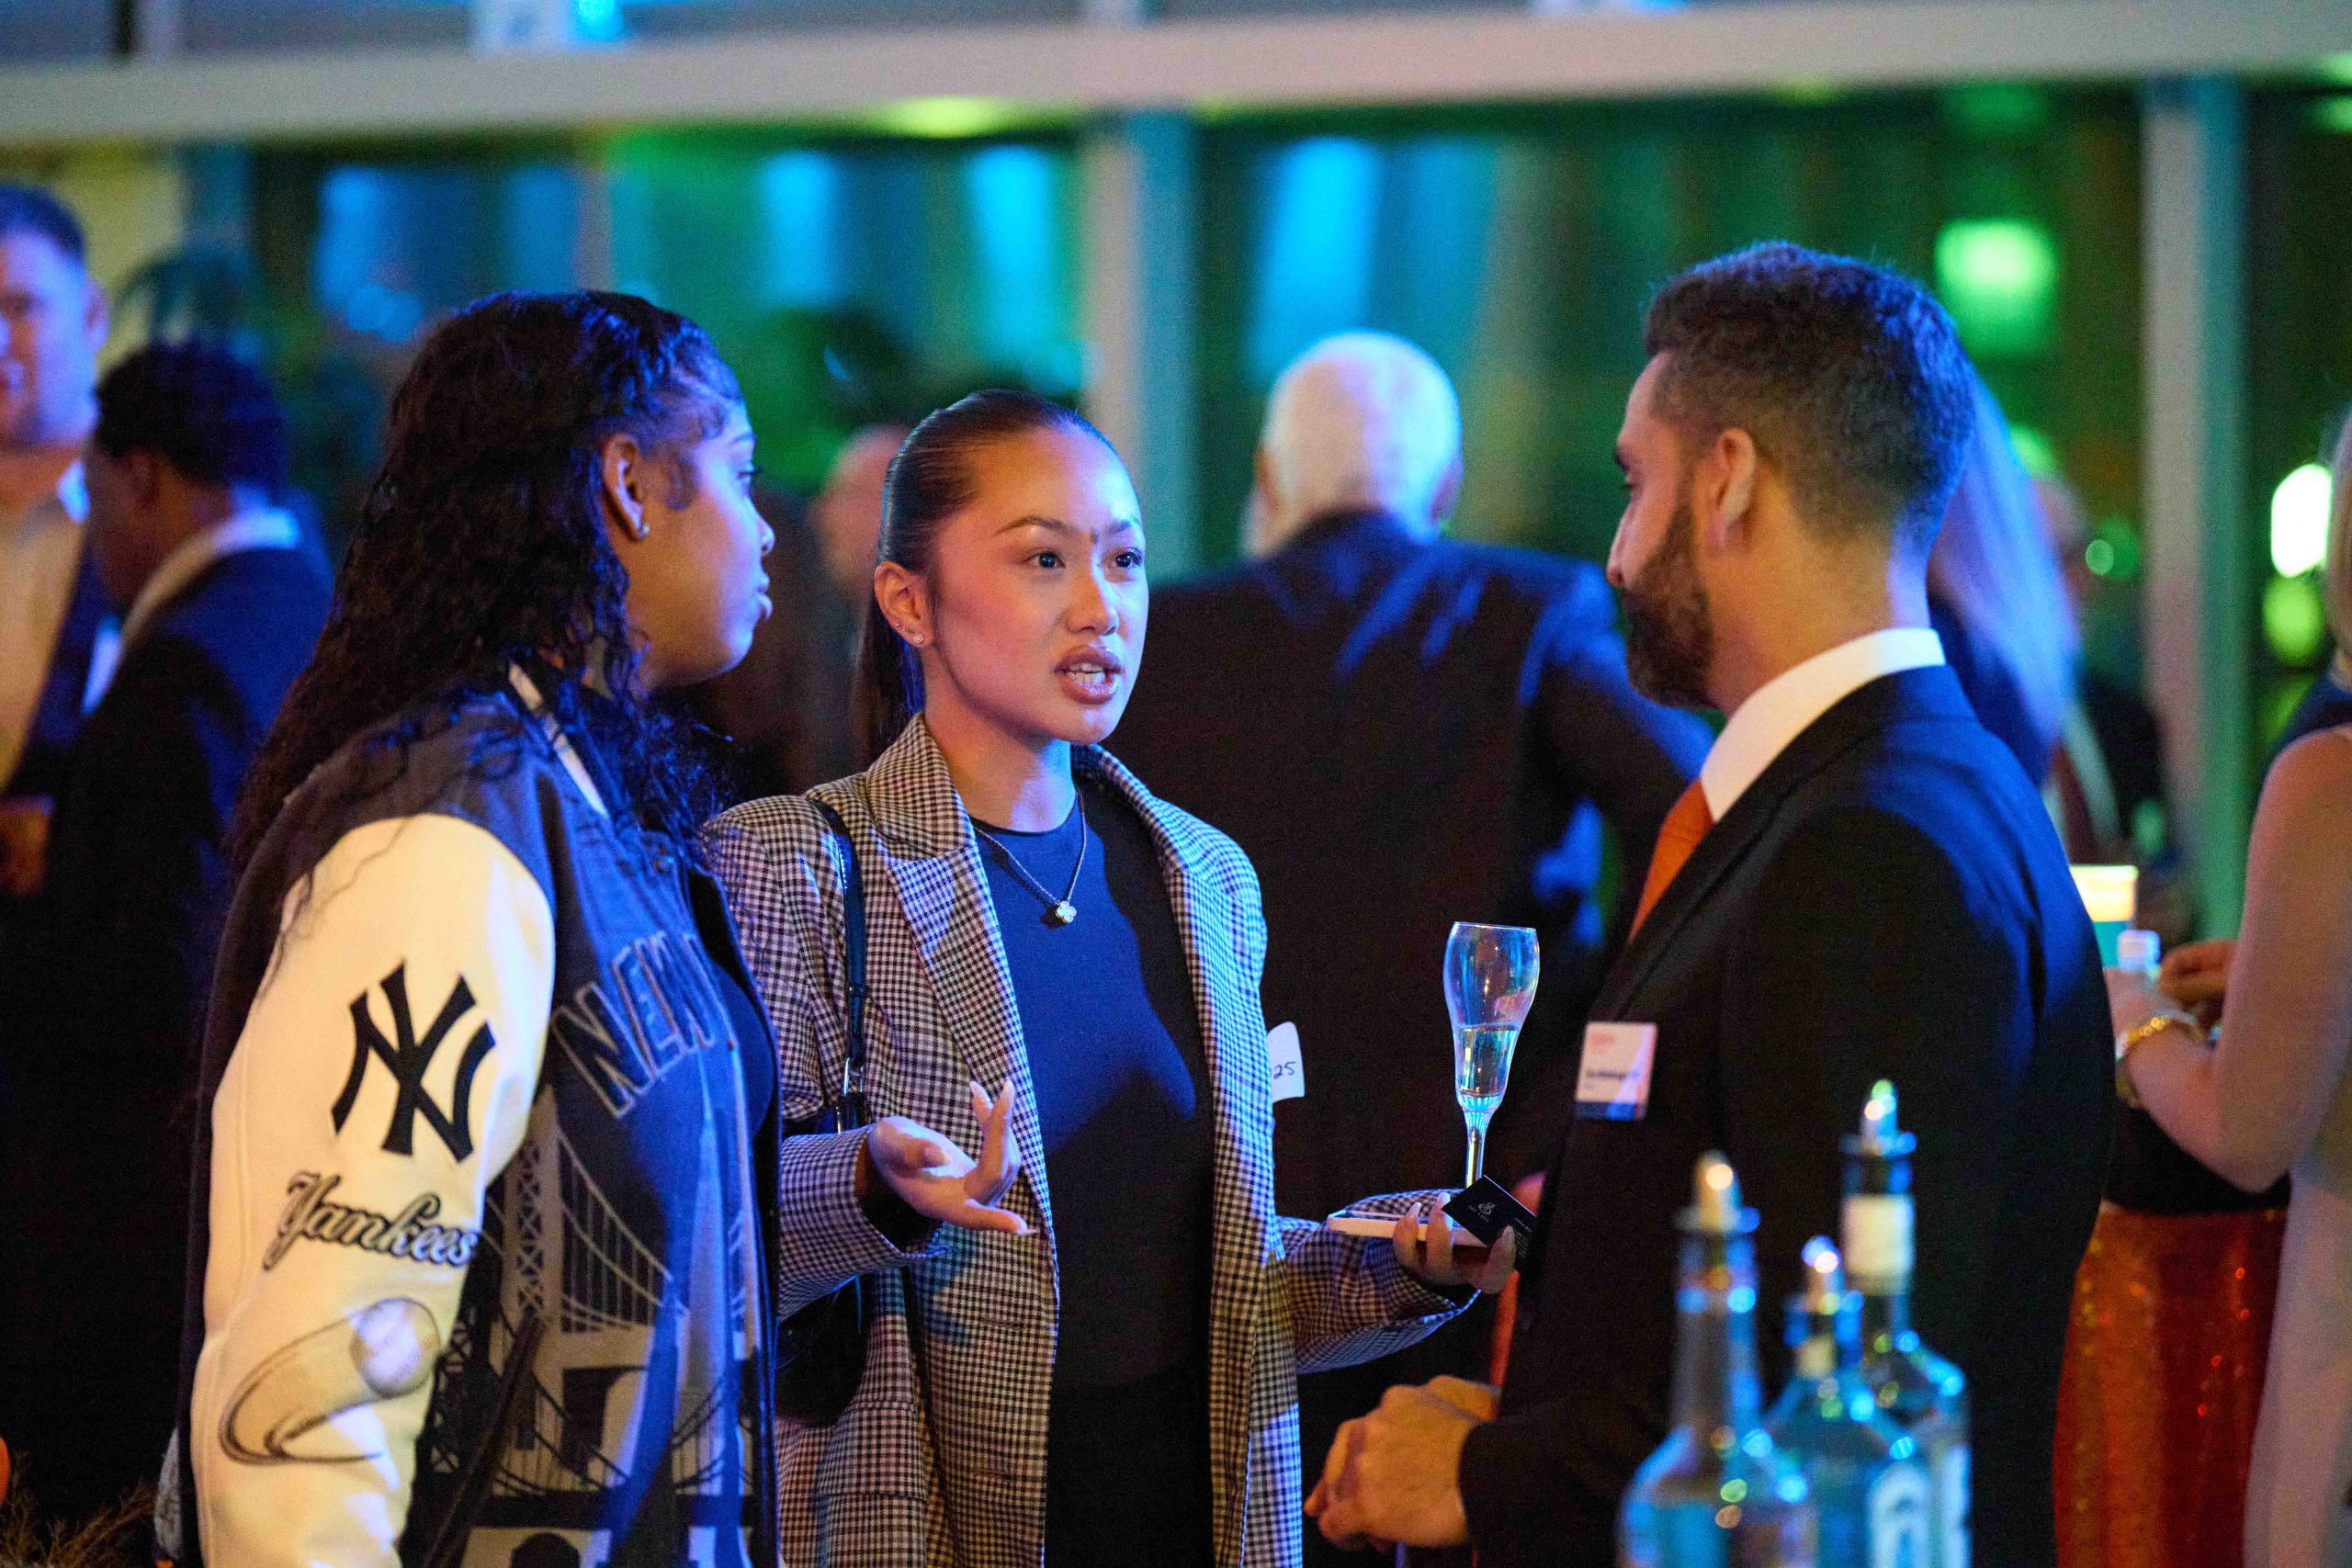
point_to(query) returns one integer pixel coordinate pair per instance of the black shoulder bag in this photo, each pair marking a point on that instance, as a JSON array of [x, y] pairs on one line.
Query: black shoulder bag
[[821, 1349]]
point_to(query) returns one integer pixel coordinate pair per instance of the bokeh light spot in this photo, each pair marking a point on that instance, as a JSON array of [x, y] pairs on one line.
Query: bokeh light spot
[[2294, 620], [1999, 278], [2298, 521]]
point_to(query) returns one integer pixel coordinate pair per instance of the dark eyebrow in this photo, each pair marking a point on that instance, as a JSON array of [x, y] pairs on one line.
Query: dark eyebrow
[[1056, 525], [1051, 524]]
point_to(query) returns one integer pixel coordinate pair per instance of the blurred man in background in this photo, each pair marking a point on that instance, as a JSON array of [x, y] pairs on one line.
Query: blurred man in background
[[53, 320], [103, 982], [847, 513], [787, 706], [1403, 731]]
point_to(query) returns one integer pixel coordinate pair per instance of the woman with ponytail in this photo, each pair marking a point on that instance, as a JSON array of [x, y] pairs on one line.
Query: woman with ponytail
[[1101, 1369]]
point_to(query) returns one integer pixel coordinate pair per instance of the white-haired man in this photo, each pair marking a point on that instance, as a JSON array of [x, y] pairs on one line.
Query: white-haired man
[[1403, 730]]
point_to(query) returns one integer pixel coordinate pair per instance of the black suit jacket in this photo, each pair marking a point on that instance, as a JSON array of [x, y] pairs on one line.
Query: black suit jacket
[[1402, 733], [120, 945], [101, 994], [1887, 900]]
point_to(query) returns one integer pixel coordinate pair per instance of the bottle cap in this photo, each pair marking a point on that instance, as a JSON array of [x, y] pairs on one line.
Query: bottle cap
[[2139, 950], [1822, 1313], [1715, 1208], [1881, 1138], [1825, 1277]]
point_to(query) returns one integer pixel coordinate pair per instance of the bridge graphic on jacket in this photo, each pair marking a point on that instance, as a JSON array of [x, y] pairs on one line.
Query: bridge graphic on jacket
[[557, 1252]]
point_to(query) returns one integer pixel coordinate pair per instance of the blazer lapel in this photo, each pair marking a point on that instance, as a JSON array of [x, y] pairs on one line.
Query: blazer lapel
[[1863, 712], [934, 862], [1233, 1040]]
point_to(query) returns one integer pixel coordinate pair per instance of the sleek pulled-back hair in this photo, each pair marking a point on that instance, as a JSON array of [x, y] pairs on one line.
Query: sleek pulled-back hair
[[930, 481], [1850, 377], [201, 408], [482, 547]]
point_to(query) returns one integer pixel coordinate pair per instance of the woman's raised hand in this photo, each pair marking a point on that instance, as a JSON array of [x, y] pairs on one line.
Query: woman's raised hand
[[941, 1182]]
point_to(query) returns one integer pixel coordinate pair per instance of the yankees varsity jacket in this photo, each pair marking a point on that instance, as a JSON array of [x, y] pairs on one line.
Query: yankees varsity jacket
[[476, 1268]]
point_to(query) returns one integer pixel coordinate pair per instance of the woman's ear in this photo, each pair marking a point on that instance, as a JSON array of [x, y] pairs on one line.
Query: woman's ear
[[623, 472], [904, 604]]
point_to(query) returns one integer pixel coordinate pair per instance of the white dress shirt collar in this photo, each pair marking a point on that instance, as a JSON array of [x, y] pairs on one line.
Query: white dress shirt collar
[[74, 492], [1785, 706], [258, 528]]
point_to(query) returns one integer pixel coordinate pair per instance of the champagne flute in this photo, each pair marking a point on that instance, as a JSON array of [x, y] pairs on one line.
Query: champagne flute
[[1489, 985]]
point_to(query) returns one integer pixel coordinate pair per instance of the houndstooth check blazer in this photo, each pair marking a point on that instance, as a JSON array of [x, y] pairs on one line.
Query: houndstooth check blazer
[[940, 1460]]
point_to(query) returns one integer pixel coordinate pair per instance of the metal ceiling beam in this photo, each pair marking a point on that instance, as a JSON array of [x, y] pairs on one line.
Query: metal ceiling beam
[[1085, 67]]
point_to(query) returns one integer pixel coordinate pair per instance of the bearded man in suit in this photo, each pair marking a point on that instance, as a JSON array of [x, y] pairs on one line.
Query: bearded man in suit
[[1860, 884]]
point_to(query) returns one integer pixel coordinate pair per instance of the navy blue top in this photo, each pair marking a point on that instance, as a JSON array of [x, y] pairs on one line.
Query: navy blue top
[[1122, 1089]]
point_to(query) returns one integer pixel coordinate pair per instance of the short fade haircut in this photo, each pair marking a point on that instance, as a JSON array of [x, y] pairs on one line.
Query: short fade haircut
[[1850, 377], [200, 408], [29, 209]]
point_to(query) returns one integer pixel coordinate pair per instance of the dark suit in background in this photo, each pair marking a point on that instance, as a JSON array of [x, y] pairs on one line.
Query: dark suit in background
[[1887, 899], [1404, 732], [102, 991], [41, 768]]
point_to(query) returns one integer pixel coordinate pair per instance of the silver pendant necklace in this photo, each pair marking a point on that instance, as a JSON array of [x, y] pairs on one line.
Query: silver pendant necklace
[[1058, 911]]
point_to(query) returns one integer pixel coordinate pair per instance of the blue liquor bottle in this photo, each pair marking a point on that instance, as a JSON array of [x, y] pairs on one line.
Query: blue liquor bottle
[[1870, 1489], [1716, 1494]]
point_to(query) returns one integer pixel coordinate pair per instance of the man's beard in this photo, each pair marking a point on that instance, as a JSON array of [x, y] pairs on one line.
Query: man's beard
[[1669, 642]]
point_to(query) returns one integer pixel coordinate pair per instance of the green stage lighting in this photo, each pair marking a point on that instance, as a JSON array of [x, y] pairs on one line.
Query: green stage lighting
[[2298, 521], [1999, 278]]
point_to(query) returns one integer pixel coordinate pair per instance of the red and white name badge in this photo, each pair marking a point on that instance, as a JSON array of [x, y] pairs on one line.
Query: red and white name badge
[[1613, 1084]]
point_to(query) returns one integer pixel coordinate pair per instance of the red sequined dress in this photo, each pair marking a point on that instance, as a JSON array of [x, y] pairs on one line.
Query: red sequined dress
[[2164, 1361]]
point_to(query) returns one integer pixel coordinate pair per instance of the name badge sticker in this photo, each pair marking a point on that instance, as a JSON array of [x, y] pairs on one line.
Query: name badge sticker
[[1613, 1084], [1284, 1062]]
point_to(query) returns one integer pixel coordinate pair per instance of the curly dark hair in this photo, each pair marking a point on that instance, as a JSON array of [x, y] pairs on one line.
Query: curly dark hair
[[482, 547]]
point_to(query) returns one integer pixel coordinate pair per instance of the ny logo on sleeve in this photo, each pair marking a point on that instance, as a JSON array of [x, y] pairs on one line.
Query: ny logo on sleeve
[[407, 1058]]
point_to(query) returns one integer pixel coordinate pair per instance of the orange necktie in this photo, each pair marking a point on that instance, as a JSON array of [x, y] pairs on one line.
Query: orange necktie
[[1677, 837]]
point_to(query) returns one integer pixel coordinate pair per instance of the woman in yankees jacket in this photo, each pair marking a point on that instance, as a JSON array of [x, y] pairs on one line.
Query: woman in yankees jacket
[[487, 1167], [1104, 1371]]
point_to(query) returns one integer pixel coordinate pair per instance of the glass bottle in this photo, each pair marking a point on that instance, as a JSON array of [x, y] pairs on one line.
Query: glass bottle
[[1926, 1395], [1716, 1494], [1871, 1490]]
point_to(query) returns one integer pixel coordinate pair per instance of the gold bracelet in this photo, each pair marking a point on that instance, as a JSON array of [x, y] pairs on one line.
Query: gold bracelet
[[2139, 1035]]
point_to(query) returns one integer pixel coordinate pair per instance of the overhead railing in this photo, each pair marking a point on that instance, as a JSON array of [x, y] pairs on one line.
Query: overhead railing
[[1008, 74]]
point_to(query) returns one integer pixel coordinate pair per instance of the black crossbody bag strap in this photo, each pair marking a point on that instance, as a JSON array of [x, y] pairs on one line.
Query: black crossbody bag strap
[[821, 1349], [847, 1099]]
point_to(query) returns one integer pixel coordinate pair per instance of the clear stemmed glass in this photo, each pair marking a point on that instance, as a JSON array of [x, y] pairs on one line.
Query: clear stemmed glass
[[1489, 985]]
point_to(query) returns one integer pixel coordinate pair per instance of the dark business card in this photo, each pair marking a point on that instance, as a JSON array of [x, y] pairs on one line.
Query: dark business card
[[1485, 1209]]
